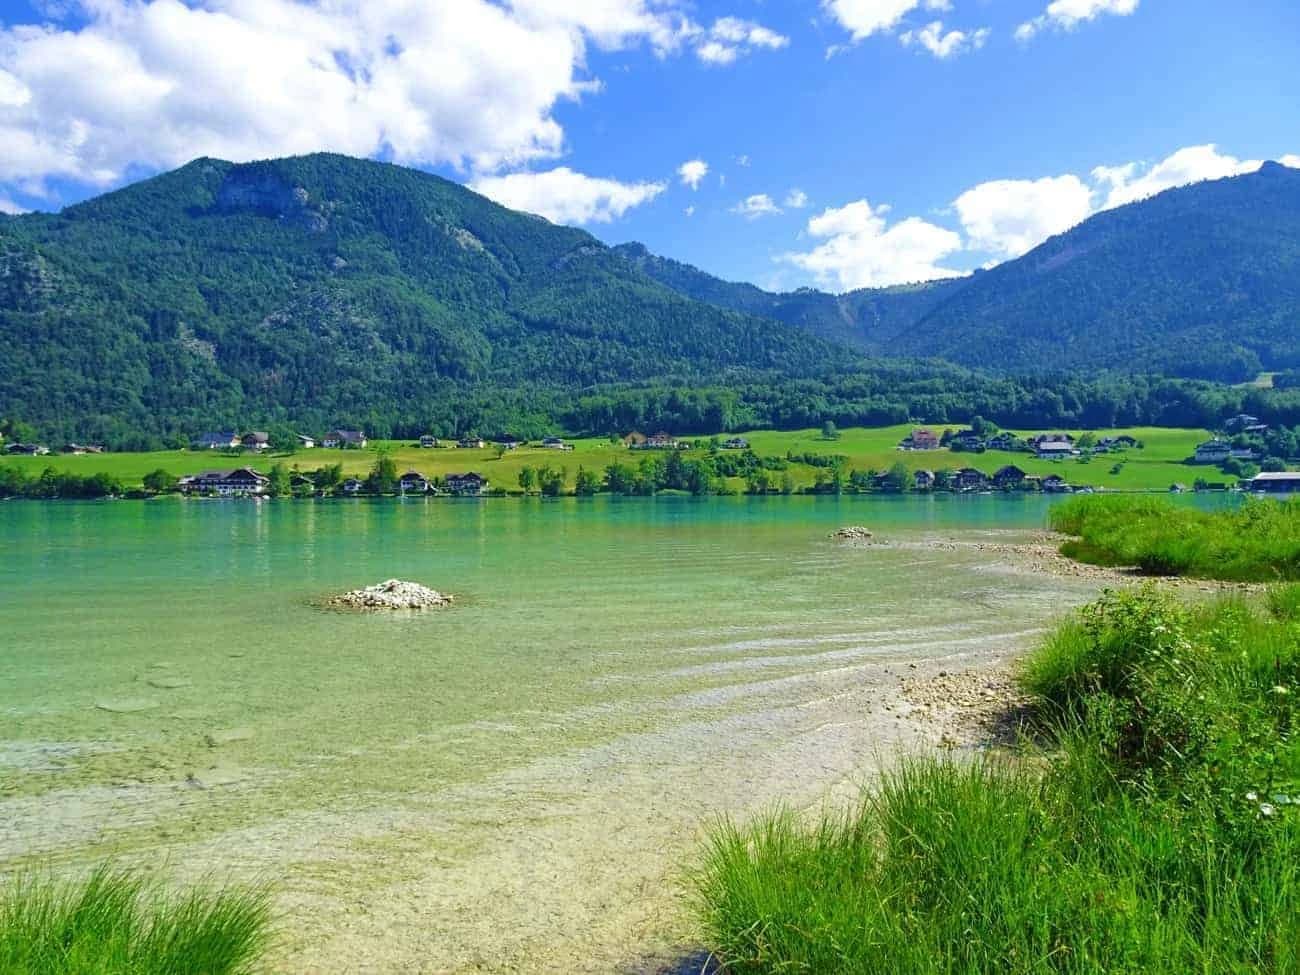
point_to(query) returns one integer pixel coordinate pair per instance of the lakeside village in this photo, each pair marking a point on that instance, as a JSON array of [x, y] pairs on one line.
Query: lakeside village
[[1246, 449]]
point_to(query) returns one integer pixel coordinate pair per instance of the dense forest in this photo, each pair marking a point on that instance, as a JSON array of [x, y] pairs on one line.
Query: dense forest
[[325, 291]]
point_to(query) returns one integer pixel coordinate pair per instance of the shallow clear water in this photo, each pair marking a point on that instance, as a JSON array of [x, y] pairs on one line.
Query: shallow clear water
[[507, 784]]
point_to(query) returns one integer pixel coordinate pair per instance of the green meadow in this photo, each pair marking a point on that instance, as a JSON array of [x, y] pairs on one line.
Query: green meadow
[[1154, 468]]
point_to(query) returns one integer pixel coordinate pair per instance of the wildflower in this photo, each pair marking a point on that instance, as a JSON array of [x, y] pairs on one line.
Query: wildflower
[[1280, 691], [1267, 809], [1252, 796]]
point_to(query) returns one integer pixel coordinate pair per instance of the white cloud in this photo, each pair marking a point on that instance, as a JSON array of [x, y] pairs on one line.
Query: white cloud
[[742, 160], [692, 172], [1133, 181], [1068, 14], [941, 45], [469, 83], [731, 37], [1008, 217], [796, 199], [862, 250], [690, 211], [758, 205], [10, 207], [862, 18], [1291, 161], [563, 196]]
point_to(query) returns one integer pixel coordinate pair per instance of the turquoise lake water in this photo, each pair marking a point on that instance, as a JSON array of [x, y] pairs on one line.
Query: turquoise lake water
[[507, 785]]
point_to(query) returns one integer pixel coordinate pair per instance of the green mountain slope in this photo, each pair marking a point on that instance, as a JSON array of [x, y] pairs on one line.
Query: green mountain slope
[[324, 289], [1200, 281], [870, 319], [1203, 280]]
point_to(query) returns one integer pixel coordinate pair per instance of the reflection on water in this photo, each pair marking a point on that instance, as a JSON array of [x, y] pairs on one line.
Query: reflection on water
[[505, 784]]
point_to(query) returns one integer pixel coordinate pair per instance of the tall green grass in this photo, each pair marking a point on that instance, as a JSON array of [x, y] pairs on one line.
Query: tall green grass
[[1258, 541], [116, 923], [1156, 831]]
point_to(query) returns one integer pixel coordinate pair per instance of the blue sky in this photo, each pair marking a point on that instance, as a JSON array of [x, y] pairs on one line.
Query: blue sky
[[848, 143]]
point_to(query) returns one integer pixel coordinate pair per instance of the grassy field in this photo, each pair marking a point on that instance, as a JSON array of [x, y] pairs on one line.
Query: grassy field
[[1153, 468], [1155, 829]]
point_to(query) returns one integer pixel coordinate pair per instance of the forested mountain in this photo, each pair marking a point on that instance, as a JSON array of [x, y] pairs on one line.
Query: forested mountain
[[322, 289], [870, 319], [1200, 281]]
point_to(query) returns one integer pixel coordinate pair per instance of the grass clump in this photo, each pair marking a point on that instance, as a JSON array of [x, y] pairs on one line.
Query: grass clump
[[113, 922], [1258, 541], [1158, 830]]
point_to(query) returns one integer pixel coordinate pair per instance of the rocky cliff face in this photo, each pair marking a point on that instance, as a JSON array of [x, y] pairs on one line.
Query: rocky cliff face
[[260, 191]]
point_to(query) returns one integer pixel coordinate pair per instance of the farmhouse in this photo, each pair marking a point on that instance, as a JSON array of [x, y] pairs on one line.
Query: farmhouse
[[1279, 482], [470, 443], [1055, 484], [413, 482], [1002, 441], [351, 486], [509, 442], [347, 439], [923, 480], [428, 440], [1212, 452], [969, 479], [1008, 477], [306, 442], [81, 448], [555, 443], [920, 439], [1054, 449], [257, 440], [465, 484], [634, 440], [241, 480], [661, 441], [32, 449], [735, 443]]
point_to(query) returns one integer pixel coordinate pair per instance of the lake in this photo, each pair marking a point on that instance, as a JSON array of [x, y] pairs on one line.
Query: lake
[[514, 784]]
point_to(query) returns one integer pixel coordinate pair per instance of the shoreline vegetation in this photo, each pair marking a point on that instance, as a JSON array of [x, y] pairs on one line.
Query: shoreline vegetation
[[116, 921], [1258, 541], [834, 461], [1145, 821]]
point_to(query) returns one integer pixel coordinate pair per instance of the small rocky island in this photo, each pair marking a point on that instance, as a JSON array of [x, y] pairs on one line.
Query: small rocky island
[[393, 594], [856, 532]]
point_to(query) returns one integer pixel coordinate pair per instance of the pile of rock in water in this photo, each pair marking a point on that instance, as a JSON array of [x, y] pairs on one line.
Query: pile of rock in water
[[393, 594], [852, 531]]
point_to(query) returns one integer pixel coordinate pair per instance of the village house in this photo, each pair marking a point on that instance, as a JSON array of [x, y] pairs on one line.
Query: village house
[[634, 440], [470, 443], [81, 448], [1008, 477], [735, 443], [967, 440], [1275, 482], [923, 480], [1122, 442], [298, 481], [1054, 449], [428, 440], [257, 440], [1213, 451], [920, 439], [306, 442], [241, 480], [216, 441], [555, 443], [1002, 441], [31, 449], [465, 484], [346, 439], [969, 479], [1240, 422], [413, 482], [1055, 484], [509, 442], [1043, 438], [351, 486], [1244, 453]]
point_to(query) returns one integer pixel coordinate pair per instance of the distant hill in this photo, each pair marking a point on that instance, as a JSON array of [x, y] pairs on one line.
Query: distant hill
[[325, 288], [871, 319], [1199, 281]]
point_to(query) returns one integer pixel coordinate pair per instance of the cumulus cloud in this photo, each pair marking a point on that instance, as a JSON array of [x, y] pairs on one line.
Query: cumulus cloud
[[1008, 217], [758, 205], [564, 196], [730, 37], [1291, 161], [1134, 181], [862, 18], [860, 249], [692, 172], [1069, 14], [944, 45], [796, 199], [471, 83]]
